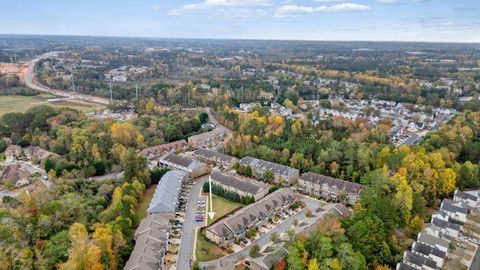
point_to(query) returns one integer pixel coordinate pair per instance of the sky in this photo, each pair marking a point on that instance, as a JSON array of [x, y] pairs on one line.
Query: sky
[[375, 20]]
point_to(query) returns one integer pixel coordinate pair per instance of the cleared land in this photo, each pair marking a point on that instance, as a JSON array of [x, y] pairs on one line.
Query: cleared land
[[207, 251], [22, 103], [144, 202]]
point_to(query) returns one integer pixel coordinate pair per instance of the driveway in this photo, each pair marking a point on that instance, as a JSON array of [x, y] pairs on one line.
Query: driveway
[[228, 262], [185, 251]]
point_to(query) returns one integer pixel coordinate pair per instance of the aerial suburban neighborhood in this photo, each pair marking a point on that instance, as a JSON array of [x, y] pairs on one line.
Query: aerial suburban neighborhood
[[240, 135]]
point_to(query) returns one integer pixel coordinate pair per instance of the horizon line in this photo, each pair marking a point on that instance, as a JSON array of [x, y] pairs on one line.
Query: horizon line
[[240, 39]]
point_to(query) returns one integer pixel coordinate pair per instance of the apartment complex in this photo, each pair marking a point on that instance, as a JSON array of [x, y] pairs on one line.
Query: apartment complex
[[329, 188], [241, 186], [192, 167], [151, 240], [289, 175], [152, 154], [165, 198], [435, 242], [235, 226], [220, 160]]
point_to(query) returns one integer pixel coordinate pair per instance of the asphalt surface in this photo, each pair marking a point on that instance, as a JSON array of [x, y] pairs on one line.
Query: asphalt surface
[[185, 252], [31, 82], [228, 262]]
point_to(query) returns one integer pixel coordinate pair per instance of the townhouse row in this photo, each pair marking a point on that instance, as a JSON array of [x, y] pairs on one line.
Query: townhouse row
[[234, 227]]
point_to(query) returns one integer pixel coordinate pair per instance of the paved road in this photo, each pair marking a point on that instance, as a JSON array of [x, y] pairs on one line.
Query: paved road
[[31, 82], [113, 176], [185, 252], [229, 262]]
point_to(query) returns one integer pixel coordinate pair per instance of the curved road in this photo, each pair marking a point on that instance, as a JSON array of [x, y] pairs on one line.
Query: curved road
[[31, 82]]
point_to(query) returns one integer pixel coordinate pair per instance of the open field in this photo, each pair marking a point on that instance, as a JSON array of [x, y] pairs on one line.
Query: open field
[[144, 202], [207, 251], [23, 103], [221, 207]]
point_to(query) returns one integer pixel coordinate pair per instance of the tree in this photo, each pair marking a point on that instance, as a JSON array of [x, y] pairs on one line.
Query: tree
[[274, 237], [248, 171], [254, 250], [313, 264]]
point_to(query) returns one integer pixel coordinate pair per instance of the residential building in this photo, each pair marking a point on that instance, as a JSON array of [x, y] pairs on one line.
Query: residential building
[[192, 167], [37, 154], [12, 153], [433, 241], [235, 226], [329, 188], [220, 160], [165, 198], [432, 253], [453, 211], [153, 153], [241, 186], [211, 139], [151, 240], [415, 259], [281, 173], [471, 199]]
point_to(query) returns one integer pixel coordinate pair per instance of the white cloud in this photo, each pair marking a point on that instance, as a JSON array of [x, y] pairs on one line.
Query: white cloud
[[156, 8], [207, 4], [293, 10], [327, 1]]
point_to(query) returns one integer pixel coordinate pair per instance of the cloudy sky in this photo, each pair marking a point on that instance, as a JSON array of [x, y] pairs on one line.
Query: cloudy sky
[[391, 20]]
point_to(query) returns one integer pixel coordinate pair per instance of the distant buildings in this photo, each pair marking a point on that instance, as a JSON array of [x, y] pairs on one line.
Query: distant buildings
[[211, 139], [152, 154], [235, 226], [33, 153], [220, 160], [241, 186], [192, 167], [329, 188]]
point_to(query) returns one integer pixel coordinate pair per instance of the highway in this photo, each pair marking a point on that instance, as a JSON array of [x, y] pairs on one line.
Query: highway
[[31, 82]]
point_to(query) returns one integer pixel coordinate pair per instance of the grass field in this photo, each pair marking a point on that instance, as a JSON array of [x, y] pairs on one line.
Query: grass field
[[144, 202], [222, 207], [2, 156], [207, 251], [23, 103]]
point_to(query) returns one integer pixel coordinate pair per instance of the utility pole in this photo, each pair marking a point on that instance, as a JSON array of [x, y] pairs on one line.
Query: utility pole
[[136, 90], [111, 93], [73, 83]]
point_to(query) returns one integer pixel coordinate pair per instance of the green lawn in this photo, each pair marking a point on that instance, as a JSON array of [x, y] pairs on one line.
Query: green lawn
[[207, 251], [144, 202], [2, 157], [22, 103], [222, 207]]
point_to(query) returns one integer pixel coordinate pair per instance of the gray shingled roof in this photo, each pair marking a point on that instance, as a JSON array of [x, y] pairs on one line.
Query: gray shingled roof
[[320, 179], [465, 195], [275, 168], [213, 155], [182, 161], [432, 240], [239, 219], [445, 224], [166, 194], [419, 260], [234, 182], [452, 208], [427, 250]]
